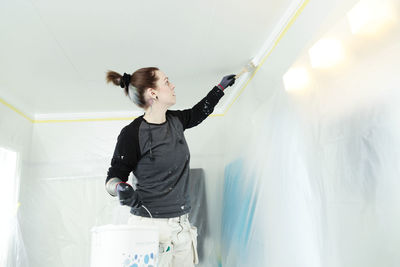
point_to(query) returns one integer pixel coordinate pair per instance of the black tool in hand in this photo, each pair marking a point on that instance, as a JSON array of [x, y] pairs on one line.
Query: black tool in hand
[[127, 195]]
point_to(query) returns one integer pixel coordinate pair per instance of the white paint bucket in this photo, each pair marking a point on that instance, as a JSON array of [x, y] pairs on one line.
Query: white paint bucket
[[124, 246]]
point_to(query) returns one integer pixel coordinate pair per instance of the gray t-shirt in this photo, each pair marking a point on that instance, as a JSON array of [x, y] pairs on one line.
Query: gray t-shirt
[[159, 157]]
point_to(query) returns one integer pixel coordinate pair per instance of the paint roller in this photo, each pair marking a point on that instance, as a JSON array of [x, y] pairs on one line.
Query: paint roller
[[251, 66]]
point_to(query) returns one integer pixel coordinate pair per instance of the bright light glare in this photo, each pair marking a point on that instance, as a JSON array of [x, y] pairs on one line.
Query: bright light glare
[[326, 53], [296, 79], [8, 161], [369, 17]]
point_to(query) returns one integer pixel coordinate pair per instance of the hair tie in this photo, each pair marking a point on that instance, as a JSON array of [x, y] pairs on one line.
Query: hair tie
[[125, 80]]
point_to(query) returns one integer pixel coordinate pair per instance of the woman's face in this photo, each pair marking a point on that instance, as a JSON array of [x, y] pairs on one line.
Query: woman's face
[[165, 90]]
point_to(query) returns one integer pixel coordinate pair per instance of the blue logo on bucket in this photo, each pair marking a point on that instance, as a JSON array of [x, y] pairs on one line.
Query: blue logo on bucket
[[140, 260]]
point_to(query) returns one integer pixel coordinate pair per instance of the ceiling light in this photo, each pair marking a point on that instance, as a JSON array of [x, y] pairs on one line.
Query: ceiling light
[[296, 79], [369, 17], [326, 53]]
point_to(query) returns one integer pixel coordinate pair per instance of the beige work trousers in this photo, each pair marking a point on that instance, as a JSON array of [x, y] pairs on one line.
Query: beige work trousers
[[177, 240]]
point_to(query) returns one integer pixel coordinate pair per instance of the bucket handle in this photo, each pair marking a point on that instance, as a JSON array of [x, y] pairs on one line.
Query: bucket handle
[[147, 211]]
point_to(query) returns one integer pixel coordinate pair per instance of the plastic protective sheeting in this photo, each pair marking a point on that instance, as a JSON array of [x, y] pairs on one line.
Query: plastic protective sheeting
[[319, 184], [15, 136], [63, 194]]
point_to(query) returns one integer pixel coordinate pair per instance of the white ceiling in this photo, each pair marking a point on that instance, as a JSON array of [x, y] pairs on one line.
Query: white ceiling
[[54, 53]]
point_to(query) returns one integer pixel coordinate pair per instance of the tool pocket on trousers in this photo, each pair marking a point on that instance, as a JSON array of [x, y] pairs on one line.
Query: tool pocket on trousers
[[193, 232], [165, 254]]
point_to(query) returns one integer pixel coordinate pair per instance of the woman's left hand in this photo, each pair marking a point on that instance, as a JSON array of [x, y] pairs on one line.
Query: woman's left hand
[[227, 80]]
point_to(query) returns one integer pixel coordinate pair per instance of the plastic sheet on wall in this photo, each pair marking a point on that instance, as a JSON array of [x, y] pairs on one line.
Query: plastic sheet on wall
[[319, 183]]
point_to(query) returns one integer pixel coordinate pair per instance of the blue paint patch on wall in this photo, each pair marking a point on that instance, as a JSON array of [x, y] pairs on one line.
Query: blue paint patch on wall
[[239, 201]]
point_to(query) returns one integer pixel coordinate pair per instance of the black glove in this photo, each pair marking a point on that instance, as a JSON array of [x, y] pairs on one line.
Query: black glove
[[127, 196], [228, 80]]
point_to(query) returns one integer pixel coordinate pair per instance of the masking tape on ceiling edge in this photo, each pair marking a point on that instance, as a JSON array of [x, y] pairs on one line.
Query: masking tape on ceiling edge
[[288, 25], [15, 109], [283, 32]]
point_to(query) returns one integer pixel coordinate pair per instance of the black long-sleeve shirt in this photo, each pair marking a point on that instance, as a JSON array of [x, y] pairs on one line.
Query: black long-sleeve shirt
[[159, 157]]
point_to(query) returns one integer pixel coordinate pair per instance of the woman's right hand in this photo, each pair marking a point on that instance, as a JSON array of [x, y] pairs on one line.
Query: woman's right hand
[[127, 195]]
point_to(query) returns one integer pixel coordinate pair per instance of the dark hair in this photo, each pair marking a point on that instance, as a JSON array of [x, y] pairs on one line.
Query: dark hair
[[141, 79]]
